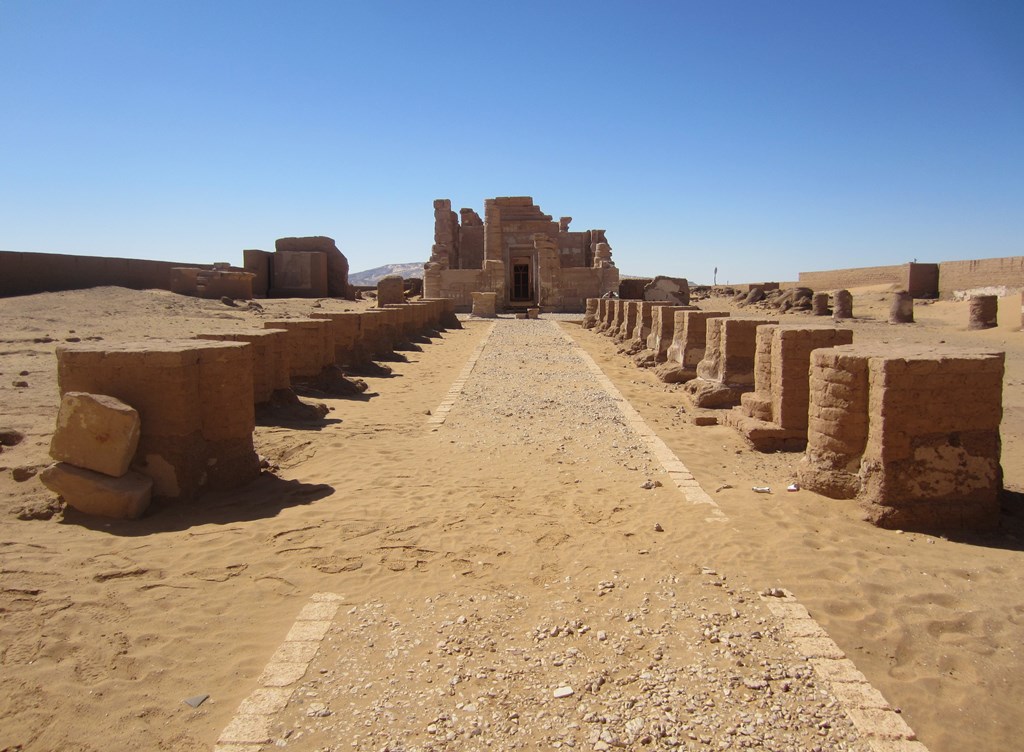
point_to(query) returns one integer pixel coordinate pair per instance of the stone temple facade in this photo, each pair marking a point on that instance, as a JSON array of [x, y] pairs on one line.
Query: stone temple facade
[[518, 252]]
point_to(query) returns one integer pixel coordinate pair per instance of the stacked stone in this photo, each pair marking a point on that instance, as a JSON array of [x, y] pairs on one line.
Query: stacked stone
[[983, 312], [642, 328], [310, 344], [390, 289], [606, 312], [94, 444], [774, 417], [902, 309], [271, 372], [819, 304], [618, 316], [842, 305], [195, 403], [590, 314], [911, 433]]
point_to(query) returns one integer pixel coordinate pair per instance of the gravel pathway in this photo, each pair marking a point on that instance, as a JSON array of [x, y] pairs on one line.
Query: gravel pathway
[[652, 655]]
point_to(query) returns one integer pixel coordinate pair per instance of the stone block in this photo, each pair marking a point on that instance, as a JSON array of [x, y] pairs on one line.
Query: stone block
[[126, 497], [485, 304], [299, 275], [194, 399], [912, 432], [390, 289], [662, 330], [96, 432], [310, 345], [269, 359]]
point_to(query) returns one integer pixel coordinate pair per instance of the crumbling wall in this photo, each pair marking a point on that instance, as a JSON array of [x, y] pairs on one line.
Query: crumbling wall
[[911, 432]]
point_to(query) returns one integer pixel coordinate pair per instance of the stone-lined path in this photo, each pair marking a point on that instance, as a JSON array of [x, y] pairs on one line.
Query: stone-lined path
[[622, 639]]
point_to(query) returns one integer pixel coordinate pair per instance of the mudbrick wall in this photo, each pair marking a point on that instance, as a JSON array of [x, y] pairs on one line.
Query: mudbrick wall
[[921, 280], [980, 273]]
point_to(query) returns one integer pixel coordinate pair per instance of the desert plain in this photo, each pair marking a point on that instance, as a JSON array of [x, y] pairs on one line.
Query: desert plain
[[528, 544]]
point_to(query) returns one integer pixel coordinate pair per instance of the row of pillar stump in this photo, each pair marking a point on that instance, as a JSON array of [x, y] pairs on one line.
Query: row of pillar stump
[[197, 399], [912, 432]]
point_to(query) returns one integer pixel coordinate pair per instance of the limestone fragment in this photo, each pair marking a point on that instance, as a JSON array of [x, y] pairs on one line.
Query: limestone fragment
[[96, 432]]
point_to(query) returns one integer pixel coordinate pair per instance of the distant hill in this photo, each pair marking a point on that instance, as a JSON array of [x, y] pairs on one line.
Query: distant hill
[[373, 276]]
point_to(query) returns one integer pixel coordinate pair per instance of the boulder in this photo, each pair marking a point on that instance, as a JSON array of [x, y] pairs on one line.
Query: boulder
[[96, 432], [126, 497]]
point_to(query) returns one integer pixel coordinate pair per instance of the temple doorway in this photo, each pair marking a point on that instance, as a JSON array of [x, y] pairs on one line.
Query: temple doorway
[[521, 289]]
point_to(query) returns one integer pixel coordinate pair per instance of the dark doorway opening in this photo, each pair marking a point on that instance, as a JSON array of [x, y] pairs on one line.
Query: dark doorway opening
[[522, 289]]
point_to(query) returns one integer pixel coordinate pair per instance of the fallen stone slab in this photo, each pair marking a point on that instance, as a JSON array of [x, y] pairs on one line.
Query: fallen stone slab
[[124, 498]]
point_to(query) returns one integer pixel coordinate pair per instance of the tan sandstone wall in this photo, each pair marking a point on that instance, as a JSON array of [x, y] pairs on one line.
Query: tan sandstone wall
[[921, 280], [980, 273]]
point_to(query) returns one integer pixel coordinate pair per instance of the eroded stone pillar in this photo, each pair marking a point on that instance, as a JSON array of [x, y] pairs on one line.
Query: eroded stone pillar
[[727, 369], [689, 340], [591, 314], [819, 304], [911, 432], [982, 312], [902, 309], [842, 305]]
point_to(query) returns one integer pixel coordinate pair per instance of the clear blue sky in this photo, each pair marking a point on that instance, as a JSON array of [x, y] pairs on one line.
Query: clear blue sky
[[764, 138]]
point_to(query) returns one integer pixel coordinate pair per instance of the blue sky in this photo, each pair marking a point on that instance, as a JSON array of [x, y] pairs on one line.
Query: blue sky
[[764, 138]]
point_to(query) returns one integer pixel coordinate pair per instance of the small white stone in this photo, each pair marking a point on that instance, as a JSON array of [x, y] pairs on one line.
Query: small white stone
[[563, 692]]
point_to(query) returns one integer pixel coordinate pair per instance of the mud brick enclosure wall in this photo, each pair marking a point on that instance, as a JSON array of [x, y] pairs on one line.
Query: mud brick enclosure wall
[[195, 401], [921, 280], [29, 273], [913, 434]]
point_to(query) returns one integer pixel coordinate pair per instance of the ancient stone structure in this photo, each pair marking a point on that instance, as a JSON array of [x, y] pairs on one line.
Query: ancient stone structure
[[727, 369], [195, 403], [773, 417], [663, 324], [390, 290], [670, 290], [618, 318], [96, 432], [913, 433], [518, 253], [310, 345], [637, 338], [819, 304], [606, 314], [485, 304], [842, 305], [220, 282], [271, 372], [591, 313], [689, 340], [982, 312], [902, 309], [630, 309], [308, 267], [124, 497]]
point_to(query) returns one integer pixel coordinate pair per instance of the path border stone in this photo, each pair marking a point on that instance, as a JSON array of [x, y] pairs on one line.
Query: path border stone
[[249, 729], [440, 413], [672, 465], [875, 719]]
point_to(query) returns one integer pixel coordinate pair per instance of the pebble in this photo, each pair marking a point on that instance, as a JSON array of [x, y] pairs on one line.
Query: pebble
[[563, 692]]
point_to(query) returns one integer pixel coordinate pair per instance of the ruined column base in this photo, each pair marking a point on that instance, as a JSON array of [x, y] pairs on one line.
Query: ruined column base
[[333, 382], [713, 394], [644, 359], [673, 373], [285, 405], [764, 436]]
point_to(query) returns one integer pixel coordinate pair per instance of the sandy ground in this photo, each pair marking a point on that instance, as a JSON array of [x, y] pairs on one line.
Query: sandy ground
[[509, 519]]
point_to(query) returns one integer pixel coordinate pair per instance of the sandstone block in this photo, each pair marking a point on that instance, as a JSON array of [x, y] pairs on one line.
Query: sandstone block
[[126, 497], [96, 432]]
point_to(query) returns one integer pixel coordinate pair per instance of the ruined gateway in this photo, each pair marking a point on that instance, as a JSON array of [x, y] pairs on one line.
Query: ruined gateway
[[518, 252]]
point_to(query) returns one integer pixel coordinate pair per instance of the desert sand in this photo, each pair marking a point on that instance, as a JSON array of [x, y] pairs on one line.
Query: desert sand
[[457, 549]]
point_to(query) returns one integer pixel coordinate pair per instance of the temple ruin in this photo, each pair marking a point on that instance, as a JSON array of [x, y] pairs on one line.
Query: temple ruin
[[519, 253]]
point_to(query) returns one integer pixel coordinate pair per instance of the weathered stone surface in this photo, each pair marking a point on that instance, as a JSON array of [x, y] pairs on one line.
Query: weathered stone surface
[[902, 309], [484, 304], [913, 433], [819, 304], [590, 315], [842, 305], [96, 432], [982, 312], [689, 342], [90, 492], [670, 290], [390, 290], [337, 264]]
